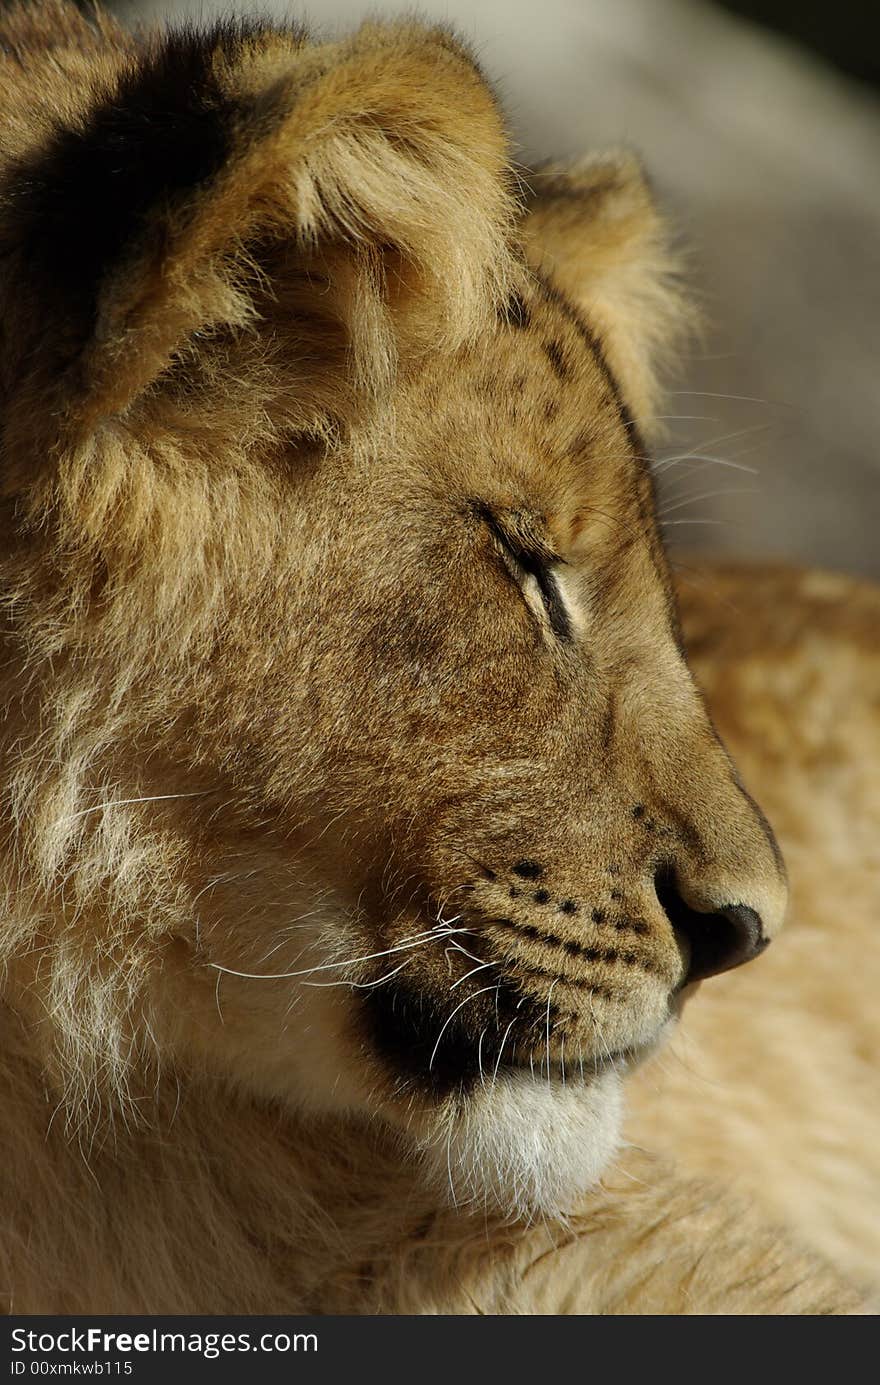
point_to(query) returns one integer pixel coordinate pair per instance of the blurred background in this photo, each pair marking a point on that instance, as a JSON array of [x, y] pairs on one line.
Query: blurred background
[[759, 121]]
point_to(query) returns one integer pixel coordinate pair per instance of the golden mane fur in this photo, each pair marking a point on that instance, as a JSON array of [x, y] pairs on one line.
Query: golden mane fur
[[362, 826]]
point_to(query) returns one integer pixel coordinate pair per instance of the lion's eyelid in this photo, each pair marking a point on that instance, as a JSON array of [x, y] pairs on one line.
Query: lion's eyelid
[[550, 594]]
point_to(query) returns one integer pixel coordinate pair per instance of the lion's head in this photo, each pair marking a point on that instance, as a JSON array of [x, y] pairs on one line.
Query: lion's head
[[352, 750]]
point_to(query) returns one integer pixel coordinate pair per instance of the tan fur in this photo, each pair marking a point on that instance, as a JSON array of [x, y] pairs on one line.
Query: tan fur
[[773, 1082], [625, 275], [311, 792]]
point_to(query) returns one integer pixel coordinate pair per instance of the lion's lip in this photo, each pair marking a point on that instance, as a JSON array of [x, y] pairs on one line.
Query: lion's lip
[[420, 1041], [619, 1060]]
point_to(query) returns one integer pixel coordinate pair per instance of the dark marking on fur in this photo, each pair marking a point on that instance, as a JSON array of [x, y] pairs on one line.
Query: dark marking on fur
[[573, 948], [100, 186], [631, 926], [554, 352], [595, 988], [529, 870], [593, 343]]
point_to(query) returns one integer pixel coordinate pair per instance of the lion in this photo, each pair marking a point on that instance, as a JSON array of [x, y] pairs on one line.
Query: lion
[[364, 827]]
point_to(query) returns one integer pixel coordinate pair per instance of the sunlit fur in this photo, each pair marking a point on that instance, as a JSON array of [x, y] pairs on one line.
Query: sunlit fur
[[329, 854]]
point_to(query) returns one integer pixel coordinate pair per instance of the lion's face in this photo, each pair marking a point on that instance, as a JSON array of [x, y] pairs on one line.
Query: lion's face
[[471, 714], [433, 822]]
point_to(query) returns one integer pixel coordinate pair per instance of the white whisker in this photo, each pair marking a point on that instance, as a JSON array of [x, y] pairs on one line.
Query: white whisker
[[663, 463], [549, 998], [361, 985], [501, 1049], [464, 952], [217, 998], [122, 802], [727, 437], [451, 1017], [472, 972], [480, 1055], [703, 495], [418, 941], [745, 398]]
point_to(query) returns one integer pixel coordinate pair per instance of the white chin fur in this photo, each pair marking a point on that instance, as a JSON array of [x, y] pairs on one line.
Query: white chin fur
[[524, 1147]]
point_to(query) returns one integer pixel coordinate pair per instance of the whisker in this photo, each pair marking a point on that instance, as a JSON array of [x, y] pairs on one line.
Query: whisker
[[418, 941], [361, 985], [705, 495], [451, 1017], [501, 1049], [480, 1055], [472, 972], [481, 865], [749, 429], [122, 802], [457, 947], [449, 1165], [675, 418], [217, 998], [745, 398], [695, 457], [549, 998]]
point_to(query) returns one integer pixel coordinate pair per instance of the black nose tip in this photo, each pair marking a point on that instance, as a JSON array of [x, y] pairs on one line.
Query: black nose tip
[[717, 941]]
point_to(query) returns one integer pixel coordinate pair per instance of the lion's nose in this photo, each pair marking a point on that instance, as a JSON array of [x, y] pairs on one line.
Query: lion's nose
[[713, 941]]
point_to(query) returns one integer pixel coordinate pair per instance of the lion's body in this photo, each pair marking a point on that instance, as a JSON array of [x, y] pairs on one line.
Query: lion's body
[[340, 666]]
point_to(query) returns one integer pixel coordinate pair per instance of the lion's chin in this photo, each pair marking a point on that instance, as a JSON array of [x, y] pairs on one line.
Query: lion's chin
[[524, 1147]]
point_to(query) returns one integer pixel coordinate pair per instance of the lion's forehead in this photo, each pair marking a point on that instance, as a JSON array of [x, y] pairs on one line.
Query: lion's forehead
[[529, 413]]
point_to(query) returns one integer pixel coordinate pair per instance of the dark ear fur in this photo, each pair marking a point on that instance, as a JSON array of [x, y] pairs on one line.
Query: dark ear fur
[[595, 229], [354, 194]]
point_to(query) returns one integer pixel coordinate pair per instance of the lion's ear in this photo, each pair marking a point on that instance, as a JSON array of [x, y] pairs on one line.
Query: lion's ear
[[596, 231], [355, 194]]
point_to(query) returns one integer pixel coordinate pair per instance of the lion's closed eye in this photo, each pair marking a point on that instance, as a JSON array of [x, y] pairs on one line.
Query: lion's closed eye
[[533, 565]]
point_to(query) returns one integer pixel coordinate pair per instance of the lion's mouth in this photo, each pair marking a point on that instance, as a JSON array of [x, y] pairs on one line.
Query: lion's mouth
[[427, 1046], [616, 1060]]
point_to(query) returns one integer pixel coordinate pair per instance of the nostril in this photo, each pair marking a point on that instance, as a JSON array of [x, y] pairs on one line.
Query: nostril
[[716, 941]]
